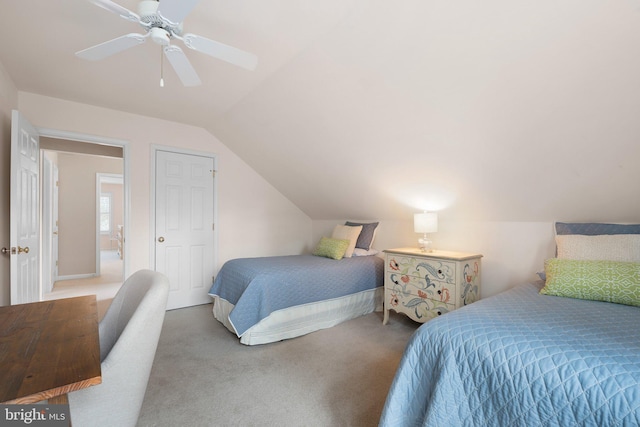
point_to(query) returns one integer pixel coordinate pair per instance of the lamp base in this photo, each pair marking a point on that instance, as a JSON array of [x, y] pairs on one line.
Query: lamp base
[[425, 244]]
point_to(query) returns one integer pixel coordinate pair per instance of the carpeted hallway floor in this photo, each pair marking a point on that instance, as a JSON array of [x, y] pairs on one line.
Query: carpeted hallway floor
[[203, 376]]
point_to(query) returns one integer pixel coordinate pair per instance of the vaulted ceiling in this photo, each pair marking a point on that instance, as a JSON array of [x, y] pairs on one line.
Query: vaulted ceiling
[[494, 110]]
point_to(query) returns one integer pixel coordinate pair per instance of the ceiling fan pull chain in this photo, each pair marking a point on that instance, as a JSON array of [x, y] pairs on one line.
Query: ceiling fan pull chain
[[161, 66]]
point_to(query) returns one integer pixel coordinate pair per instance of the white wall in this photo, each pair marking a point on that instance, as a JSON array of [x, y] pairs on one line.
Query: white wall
[[77, 210], [8, 101], [254, 219], [512, 251]]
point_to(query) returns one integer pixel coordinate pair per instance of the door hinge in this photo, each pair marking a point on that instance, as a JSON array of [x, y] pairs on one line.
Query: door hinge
[[213, 173], [213, 226], [57, 183]]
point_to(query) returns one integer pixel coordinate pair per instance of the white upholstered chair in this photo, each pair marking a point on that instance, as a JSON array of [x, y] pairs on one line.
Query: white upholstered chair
[[129, 335]]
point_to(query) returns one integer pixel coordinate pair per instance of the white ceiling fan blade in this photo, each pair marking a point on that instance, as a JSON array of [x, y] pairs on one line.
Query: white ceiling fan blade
[[174, 11], [221, 51], [117, 9], [111, 47], [182, 66]]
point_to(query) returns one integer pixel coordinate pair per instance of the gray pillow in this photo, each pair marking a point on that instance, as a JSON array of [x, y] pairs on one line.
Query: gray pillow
[[595, 228], [365, 239]]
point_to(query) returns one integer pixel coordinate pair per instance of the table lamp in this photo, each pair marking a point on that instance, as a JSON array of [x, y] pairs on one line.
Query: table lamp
[[424, 223]]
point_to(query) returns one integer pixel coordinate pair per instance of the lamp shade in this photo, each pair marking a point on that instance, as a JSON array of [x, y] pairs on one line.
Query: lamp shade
[[426, 222]]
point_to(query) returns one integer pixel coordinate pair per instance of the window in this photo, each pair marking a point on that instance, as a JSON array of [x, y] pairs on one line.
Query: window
[[105, 213]]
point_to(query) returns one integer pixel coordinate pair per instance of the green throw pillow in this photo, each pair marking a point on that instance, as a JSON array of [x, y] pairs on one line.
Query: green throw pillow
[[331, 248], [609, 281]]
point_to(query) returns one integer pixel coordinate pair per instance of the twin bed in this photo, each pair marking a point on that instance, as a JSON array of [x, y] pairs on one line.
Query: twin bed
[[521, 359], [563, 351], [270, 299]]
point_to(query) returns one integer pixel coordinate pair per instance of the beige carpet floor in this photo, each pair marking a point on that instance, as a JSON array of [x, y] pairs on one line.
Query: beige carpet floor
[[203, 376]]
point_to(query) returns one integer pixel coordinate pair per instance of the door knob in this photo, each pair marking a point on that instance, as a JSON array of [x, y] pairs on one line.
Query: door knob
[[160, 239]]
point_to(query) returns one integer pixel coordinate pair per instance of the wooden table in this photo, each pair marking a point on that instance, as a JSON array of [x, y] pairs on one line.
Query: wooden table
[[48, 349]]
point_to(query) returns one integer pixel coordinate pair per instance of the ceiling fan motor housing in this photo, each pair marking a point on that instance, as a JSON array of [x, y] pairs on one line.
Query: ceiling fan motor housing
[[148, 11], [161, 31]]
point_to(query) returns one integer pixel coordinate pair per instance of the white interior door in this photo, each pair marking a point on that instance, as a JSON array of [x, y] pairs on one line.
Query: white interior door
[[49, 221], [24, 211], [46, 218], [54, 225], [184, 236]]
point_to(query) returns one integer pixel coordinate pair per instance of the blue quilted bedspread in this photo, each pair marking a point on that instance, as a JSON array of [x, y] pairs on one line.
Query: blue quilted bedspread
[[259, 286], [521, 359]]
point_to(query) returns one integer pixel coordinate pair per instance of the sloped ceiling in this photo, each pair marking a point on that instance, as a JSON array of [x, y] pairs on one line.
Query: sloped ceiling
[[492, 110]]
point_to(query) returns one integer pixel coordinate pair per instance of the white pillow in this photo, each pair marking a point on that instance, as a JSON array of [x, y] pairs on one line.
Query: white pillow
[[603, 247], [347, 232]]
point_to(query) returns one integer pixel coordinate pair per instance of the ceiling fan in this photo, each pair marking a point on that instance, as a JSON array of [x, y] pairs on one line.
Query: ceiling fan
[[162, 21]]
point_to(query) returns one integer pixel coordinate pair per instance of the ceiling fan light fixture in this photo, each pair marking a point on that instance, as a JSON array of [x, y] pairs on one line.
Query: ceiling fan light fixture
[[160, 36]]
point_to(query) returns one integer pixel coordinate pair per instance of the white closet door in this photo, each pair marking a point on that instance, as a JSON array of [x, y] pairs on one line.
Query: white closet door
[[184, 236]]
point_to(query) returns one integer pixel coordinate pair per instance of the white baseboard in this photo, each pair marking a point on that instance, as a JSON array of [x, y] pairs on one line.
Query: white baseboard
[[77, 276]]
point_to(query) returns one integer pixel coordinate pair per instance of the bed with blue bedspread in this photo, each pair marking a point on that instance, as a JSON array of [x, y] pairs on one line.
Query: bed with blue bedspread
[[521, 358], [270, 299]]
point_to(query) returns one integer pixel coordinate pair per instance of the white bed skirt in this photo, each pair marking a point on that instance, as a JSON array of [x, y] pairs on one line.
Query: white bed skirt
[[302, 319]]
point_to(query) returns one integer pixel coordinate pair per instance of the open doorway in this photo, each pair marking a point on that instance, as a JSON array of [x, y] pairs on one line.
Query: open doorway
[[83, 219], [109, 226]]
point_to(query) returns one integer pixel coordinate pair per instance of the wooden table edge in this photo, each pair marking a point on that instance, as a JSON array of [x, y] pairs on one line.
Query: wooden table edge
[[55, 395]]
